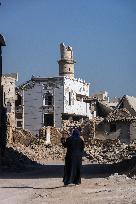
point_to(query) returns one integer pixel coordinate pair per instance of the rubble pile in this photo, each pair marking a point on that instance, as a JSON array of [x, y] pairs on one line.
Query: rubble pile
[[119, 114], [41, 152], [35, 149], [89, 127], [31, 148], [108, 151], [68, 124], [118, 178], [23, 137], [55, 134]]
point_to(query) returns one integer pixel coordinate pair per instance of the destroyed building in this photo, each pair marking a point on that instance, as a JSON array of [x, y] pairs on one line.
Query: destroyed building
[[44, 101], [100, 104], [9, 96], [119, 124], [128, 102], [114, 119]]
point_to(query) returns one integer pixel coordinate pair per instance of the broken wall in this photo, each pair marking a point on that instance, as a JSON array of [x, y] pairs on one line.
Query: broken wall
[[133, 130], [122, 132], [74, 91], [9, 96], [125, 104]]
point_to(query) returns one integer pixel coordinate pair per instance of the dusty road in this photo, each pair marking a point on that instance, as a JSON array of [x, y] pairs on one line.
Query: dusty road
[[43, 184]]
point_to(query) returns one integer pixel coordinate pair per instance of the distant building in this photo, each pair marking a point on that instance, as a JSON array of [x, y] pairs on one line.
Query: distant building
[[48, 101]]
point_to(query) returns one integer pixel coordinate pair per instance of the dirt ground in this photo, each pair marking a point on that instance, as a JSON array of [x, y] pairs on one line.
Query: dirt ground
[[43, 184]]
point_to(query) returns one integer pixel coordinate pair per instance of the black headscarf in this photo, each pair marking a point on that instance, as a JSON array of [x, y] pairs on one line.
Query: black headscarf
[[75, 133]]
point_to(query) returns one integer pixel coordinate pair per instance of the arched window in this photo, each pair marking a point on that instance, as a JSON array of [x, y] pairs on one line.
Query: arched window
[[48, 99]]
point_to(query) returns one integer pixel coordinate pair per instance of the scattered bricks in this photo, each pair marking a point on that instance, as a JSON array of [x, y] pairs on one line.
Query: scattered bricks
[[36, 148], [96, 151], [55, 134], [109, 151]]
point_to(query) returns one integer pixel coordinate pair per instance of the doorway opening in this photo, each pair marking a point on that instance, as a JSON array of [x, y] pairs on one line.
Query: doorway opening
[[48, 120]]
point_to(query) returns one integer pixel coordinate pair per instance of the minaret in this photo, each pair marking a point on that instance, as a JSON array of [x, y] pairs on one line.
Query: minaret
[[66, 63]]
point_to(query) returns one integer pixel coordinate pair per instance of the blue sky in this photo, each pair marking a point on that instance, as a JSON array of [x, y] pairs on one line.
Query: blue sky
[[101, 32]]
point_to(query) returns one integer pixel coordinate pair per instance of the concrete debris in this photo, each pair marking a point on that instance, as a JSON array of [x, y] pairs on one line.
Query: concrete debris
[[23, 137], [37, 149], [120, 114], [118, 178], [27, 148], [67, 124], [51, 135], [109, 151], [89, 128]]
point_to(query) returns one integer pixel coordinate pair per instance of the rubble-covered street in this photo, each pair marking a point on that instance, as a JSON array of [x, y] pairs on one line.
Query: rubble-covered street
[[32, 172]]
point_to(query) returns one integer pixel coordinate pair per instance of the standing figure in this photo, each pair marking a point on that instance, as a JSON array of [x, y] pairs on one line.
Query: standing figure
[[73, 159]]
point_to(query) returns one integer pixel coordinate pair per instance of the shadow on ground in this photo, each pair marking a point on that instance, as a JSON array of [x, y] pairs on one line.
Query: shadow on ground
[[15, 165]]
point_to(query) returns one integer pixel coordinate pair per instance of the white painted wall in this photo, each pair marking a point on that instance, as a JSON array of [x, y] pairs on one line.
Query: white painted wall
[[76, 87]]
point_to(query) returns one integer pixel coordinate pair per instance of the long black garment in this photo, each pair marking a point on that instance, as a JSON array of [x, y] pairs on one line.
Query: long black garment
[[73, 160]]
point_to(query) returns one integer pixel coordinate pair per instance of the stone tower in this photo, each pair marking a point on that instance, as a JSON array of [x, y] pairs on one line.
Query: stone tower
[[66, 63]]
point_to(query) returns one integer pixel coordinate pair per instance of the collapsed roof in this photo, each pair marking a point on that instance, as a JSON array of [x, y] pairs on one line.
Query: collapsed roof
[[120, 115]]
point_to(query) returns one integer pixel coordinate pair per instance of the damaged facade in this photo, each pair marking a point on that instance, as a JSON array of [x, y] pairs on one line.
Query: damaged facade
[[128, 102], [119, 124], [100, 104], [49, 101], [9, 96], [112, 119]]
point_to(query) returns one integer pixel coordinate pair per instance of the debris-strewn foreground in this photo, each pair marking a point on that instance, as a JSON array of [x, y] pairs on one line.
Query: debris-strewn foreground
[[36, 188], [42, 182]]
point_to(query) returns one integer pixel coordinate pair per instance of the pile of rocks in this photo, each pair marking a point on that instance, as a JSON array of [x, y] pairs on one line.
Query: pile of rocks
[[23, 137], [55, 136], [108, 151], [31, 148], [40, 153], [50, 133], [89, 127], [67, 124]]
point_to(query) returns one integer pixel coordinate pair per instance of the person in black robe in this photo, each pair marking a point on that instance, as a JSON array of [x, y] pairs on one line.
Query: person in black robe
[[73, 159]]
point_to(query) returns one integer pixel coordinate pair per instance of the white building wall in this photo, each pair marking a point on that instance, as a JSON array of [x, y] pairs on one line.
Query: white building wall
[[76, 88], [59, 87]]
